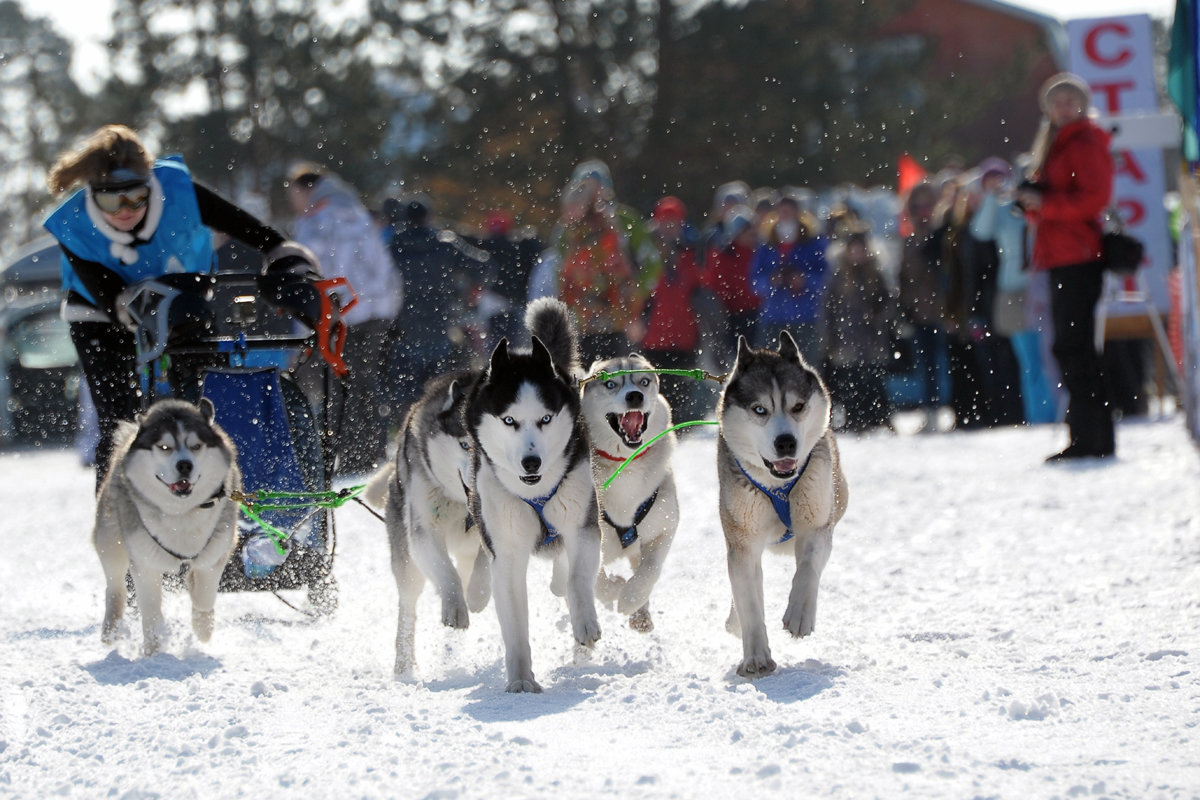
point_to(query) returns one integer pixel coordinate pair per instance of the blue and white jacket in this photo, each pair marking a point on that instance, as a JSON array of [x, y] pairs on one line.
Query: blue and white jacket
[[172, 237]]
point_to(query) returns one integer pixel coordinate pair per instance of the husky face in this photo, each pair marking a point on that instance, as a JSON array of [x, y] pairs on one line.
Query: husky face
[[626, 403], [774, 410], [523, 415], [177, 458]]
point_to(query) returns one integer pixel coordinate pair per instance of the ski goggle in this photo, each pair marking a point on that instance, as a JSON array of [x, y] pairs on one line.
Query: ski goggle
[[110, 201]]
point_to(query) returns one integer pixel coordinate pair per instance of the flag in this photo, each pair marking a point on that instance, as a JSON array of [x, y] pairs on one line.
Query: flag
[[908, 174], [1182, 76]]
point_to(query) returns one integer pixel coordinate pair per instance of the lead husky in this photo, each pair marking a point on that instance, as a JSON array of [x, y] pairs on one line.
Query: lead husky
[[428, 521], [531, 480], [781, 486], [639, 511], [165, 503]]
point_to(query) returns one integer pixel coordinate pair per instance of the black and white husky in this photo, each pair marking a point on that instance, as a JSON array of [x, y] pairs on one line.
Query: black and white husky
[[429, 524], [531, 480], [165, 503], [639, 511], [781, 487]]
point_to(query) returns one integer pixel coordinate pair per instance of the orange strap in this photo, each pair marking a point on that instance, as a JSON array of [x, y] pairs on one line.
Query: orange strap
[[331, 329]]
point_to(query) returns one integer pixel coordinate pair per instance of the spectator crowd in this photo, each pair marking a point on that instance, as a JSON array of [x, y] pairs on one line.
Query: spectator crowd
[[920, 299]]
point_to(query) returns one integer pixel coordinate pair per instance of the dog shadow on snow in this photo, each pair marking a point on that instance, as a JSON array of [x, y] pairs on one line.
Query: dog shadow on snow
[[794, 684], [565, 687], [117, 670]]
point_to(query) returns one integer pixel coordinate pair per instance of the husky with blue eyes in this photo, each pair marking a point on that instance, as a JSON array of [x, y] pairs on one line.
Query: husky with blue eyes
[[781, 488], [639, 509], [531, 480], [166, 502], [429, 524]]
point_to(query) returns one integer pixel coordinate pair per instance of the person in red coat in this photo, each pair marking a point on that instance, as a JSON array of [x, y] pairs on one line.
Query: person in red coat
[[672, 337], [1069, 187], [726, 276]]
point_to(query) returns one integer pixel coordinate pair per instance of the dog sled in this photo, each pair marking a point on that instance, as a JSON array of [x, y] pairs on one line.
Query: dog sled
[[276, 385]]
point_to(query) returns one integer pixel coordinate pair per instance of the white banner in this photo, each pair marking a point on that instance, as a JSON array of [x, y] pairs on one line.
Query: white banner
[[1115, 56]]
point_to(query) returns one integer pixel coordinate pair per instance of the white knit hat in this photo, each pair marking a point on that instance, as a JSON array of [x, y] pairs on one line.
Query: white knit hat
[[1064, 80]]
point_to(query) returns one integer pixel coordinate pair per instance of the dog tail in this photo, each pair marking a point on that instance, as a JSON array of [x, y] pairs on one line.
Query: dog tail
[[376, 492], [550, 321]]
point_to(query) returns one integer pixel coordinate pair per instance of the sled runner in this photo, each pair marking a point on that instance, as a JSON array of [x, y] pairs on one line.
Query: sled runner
[[275, 383]]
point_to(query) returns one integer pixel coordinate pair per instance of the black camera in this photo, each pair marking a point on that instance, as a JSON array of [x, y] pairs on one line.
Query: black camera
[[1025, 185]]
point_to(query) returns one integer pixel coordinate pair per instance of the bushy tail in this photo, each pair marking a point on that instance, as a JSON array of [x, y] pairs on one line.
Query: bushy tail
[[550, 321], [376, 493]]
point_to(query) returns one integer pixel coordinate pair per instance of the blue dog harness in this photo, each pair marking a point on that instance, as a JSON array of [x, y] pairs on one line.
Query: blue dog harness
[[538, 504], [629, 535], [779, 497]]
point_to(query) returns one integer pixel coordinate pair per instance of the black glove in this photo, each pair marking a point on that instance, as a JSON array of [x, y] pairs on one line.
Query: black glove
[[295, 294], [291, 258], [289, 272]]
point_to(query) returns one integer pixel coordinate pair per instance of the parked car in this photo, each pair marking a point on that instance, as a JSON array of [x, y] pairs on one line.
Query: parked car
[[39, 370]]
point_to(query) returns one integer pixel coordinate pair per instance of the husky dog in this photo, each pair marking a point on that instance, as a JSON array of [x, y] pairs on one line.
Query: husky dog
[[781, 486], [531, 480], [428, 521], [639, 511], [165, 503]]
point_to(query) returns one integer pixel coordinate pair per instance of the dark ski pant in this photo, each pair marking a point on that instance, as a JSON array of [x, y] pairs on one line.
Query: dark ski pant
[[106, 356], [1074, 292]]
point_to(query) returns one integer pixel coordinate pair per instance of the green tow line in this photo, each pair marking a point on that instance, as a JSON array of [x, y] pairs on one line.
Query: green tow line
[[641, 449], [696, 374], [291, 501], [251, 502]]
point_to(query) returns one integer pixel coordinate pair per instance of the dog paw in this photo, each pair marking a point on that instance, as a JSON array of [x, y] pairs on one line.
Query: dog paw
[[608, 588], [109, 633], [478, 597], [641, 621], [756, 666], [455, 615], [522, 685], [202, 624], [151, 646], [587, 632], [800, 619]]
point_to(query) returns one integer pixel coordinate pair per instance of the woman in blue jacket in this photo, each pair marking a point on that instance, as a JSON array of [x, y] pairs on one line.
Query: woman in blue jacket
[[126, 218], [789, 273]]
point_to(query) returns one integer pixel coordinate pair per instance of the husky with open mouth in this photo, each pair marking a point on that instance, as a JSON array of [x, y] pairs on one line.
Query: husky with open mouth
[[639, 511], [167, 503], [781, 488], [531, 480]]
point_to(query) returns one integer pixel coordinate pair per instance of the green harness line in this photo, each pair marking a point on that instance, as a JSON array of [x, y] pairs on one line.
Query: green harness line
[[292, 501], [642, 449], [695, 374], [253, 506]]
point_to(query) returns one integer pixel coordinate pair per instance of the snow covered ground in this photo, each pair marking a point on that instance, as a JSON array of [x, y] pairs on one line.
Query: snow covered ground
[[989, 627]]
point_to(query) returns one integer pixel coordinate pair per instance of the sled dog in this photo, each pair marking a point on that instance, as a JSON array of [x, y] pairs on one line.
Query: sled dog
[[531, 480], [166, 503], [429, 526], [781, 487], [639, 511]]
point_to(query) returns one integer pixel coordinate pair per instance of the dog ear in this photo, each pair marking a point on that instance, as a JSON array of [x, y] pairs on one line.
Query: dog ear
[[207, 410], [499, 357], [743, 351], [541, 354], [453, 395], [788, 348]]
